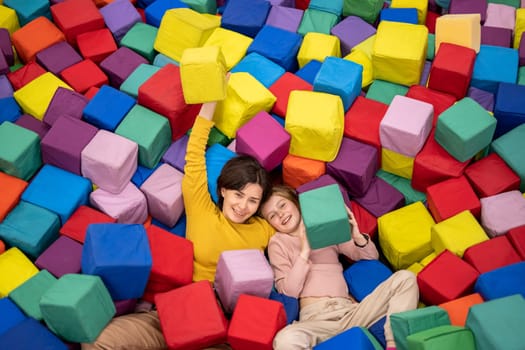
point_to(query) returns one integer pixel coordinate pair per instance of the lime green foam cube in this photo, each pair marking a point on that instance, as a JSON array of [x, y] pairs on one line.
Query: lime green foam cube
[[443, 337]]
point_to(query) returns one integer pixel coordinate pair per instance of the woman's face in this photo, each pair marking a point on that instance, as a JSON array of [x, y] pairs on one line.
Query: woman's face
[[282, 214], [240, 205]]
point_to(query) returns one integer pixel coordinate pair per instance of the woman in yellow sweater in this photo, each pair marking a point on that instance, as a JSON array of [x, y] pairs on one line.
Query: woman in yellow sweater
[[231, 224]]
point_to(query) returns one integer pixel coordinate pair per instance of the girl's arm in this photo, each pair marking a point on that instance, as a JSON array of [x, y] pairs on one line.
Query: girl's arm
[[360, 247]]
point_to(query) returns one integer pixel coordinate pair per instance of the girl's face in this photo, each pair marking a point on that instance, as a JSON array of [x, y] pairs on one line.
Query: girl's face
[[240, 205], [282, 214]]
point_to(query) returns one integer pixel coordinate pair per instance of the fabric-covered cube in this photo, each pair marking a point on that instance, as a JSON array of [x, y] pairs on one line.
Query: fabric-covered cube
[[309, 70], [27, 295], [492, 254], [508, 111], [41, 337], [502, 212], [299, 170], [164, 194], [163, 94], [403, 65], [77, 307], [403, 131], [464, 129], [284, 17], [325, 180], [182, 28], [154, 10], [129, 206], [96, 45], [449, 197], [496, 36], [109, 160], [507, 147], [457, 233], [202, 73], [13, 315], [446, 278], [181, 326], [494, 65], [244, 271], [120, 64], [245, 98], [75, 227], [363, 276], [48, 187], [140, 38], [123, 268], [318, 46], [12, 188], [403, 185], [355, 175], [359, 337], [34, 97], [396, 163], [491, 175], [216, 157], [233, 45], [451, 69], [119, 17], [9, 19], [381, 198], [138, 77], [37, 35], [328, 224], [414, 321], [151, 132], [261, 68], [351, 31], [34, 236], [61, 257], [25, 74], [16, 269], [84, 75], [497, 323], [7, 49], [58, 57], [318, 21], [501, 15], [412, 221], [76, 17], [245, 18], [517, 239], [458, 309], [469, 6], [443, 337], [291, 305], [20, 151], [279, 45], [502, 282], [310, 137], [459, 29], [65, 102], [269, 149], [65, 141], [31, 123], [439, 100], [254, 322], [176, 153], [282, 88]]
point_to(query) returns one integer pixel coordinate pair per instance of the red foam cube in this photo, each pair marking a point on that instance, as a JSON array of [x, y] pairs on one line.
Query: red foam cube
[[281, 89], [439, 100], [75, 227], [517, 239], [96, 44], [83, 75], [25, 74], [491, 254], [75, 17]]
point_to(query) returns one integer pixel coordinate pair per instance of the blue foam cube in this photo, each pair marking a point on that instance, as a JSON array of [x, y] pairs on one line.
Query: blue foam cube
[[363, 276], [245, 17], [494, 65], [108, 107], [216, 156], [261, 68]]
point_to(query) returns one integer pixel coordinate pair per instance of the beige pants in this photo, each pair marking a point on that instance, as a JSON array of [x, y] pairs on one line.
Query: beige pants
[[331, 316], [137, 331]]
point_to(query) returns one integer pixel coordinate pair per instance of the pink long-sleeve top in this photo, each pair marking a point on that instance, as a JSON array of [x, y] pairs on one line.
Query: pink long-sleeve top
[[319, 276]]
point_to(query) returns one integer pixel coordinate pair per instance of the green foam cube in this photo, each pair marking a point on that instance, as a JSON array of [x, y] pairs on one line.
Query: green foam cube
[[19, 151], [27, 295]]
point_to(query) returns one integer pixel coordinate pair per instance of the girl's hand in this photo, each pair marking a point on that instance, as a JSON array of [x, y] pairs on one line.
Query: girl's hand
[[208, 110], [305, 245], [352, 221], [359, 239]]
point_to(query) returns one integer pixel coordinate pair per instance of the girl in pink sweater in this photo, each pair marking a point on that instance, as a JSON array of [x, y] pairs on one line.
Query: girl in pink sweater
[[316, 278]]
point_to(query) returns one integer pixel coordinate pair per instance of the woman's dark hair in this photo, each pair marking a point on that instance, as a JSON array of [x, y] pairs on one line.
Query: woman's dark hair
[[287, 192], [240, 171]]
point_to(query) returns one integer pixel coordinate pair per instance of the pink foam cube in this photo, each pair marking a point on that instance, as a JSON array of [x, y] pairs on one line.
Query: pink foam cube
[[128, 207], [502, 212]]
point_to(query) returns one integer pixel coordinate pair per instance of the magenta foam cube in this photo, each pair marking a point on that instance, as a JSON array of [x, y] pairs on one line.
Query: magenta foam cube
[[119, 65], [243, 271], [163, 190], [58, 57], [31, 123], [264, 139], [406, 125], [381, 198], [61, 257]]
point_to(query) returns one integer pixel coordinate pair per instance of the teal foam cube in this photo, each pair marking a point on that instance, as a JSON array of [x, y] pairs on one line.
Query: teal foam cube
[[140, 38], [325, 217], [27, 295], [19, 151], [132, 83], [510, 147]]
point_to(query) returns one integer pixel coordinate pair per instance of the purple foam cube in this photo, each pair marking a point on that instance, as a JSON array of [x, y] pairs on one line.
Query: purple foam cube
[[31, 123], [285, 3], [496, 36], [4, 67], [176, 153], [425, 73], [325, 180], [120, 64], [65, 102], [124, 307], [457, 7], [351, 31], [61, 257], [120, 16], [381, 198], [58, 57], [484, 98], [6, 46], [355, 166], [6, 90], [521, 50], [287, 18], [63, 144]]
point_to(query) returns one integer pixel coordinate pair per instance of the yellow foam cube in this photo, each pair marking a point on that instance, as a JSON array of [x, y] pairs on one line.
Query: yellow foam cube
[[203, 74], [366, 46], [233, 45], [245, 97], [360, 57], [318, 46], [15, 269], [183, 28], [9, 19], [399, 53], [415, 268], [457, 233], [519, 27], [34, 98], [397, 163], [404, 235], [420, 5], [315, 121], [428, 259], [460, 29]]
